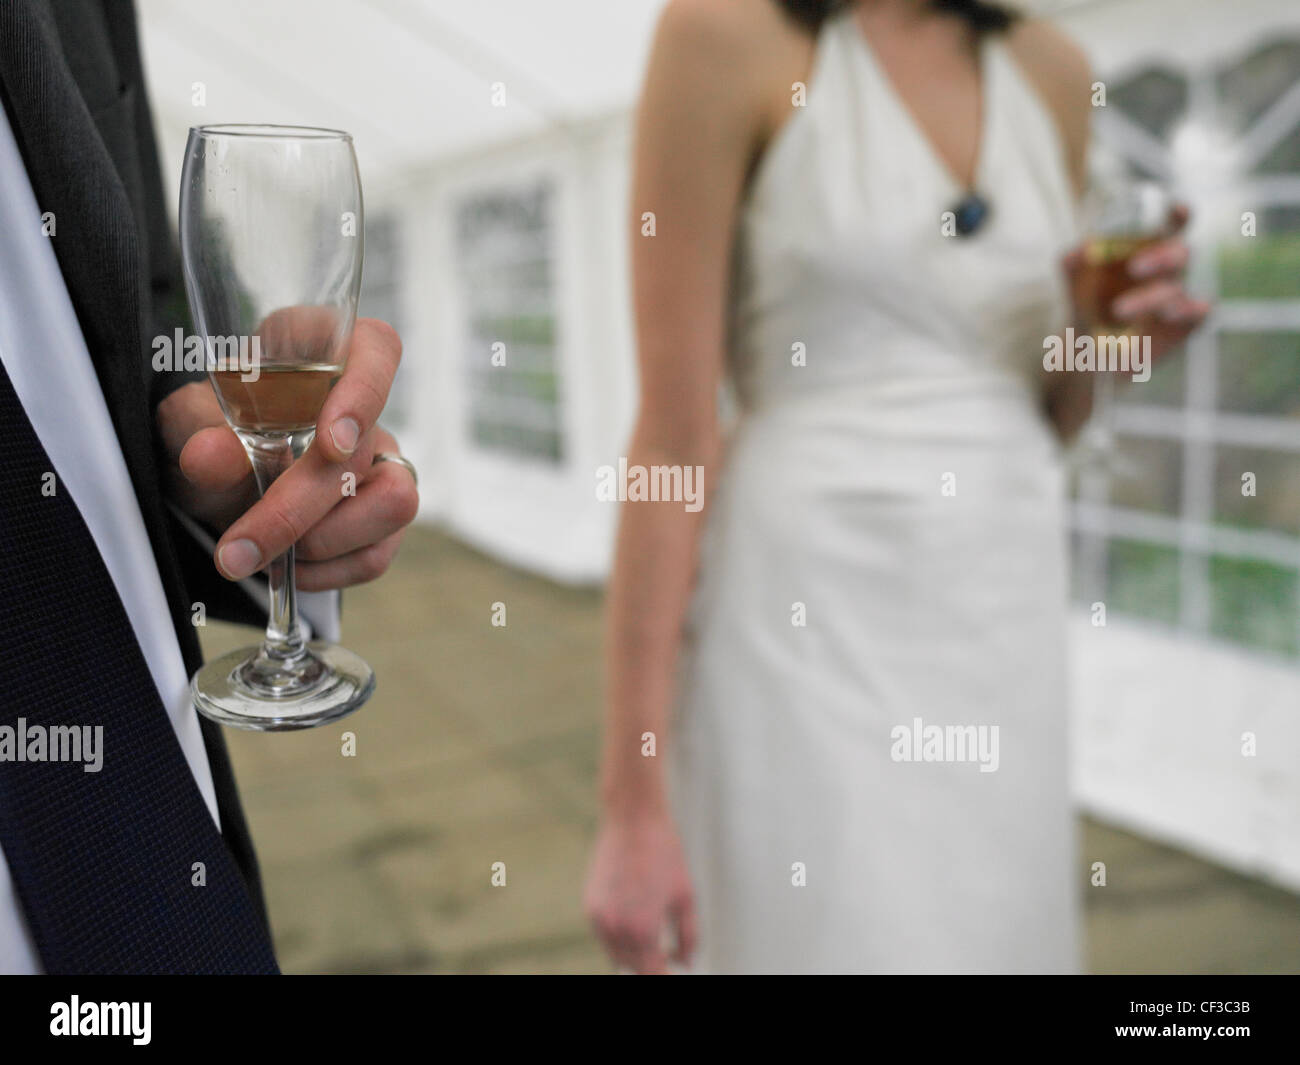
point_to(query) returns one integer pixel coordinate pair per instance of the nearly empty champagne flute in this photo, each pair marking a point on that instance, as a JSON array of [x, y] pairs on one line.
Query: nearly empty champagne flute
[[271, 224]]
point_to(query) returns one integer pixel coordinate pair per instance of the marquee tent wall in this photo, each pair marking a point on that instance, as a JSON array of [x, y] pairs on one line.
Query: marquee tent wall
[[493, 142]]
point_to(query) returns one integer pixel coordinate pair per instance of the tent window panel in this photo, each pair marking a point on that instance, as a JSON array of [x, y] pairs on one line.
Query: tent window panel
[[510, 437], [1259, 373], [1267, 265], [381, 297], [506, 262], [1196, 525], [1254, 604], [1166, 387], [1155, 99], [1143, 580], [1149, 475], [1257, 488], [1285, 156], [1249, 88]]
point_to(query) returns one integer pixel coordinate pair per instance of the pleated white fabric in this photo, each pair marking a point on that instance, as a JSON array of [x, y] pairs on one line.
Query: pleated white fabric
[[885, 544]]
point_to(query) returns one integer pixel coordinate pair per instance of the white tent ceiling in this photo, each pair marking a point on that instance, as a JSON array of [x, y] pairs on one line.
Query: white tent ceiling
[[410, 79]]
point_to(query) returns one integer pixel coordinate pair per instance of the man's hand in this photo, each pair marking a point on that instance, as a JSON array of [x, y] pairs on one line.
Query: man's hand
[[342, 539]]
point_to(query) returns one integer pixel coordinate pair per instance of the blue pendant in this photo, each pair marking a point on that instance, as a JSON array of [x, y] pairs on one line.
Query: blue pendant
[[971, 214]]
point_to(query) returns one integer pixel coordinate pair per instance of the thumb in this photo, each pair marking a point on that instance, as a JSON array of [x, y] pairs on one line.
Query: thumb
[[214, 460], [184, 412]]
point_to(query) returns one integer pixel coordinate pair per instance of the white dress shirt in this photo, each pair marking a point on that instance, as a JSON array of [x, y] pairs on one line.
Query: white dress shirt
[[44, 352]]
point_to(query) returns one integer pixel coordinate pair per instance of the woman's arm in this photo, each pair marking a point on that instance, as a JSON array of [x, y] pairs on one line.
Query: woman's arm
[[1059, 70], [699, 125], [1157, 305]]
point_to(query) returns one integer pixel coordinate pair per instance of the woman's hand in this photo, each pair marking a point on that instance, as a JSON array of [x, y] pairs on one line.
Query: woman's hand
[[343, 537], [638, 890], [1157, 304]]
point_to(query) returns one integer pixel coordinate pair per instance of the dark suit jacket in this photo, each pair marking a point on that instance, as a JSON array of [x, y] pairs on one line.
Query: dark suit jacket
[[74, 92]]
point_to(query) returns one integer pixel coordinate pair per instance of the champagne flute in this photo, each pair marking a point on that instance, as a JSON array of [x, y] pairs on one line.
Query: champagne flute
[[271, 245], [1121, 217]]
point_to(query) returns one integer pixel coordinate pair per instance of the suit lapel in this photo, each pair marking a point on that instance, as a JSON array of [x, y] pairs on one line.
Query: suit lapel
[[75, 117], [76, 159]]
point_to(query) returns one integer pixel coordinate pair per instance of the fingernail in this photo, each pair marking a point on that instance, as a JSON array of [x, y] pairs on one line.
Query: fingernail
[[1142, 267], [345, 433], [1122, 309], [239, 558]]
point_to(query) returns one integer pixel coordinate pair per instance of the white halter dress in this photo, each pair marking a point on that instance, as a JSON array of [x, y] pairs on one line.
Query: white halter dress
[[884, 553]]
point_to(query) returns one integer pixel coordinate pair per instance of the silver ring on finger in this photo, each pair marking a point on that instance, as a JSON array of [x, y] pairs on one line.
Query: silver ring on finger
[[401, 460]]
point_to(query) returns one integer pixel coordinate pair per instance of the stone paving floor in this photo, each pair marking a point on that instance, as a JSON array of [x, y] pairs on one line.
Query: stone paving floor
[[479, 747]]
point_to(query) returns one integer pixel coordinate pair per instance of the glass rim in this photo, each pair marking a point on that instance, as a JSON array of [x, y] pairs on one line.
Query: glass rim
[[270, 131]]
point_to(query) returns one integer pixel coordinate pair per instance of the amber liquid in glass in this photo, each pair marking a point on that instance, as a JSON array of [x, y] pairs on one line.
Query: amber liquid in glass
[[283, 399], [1105, 276]]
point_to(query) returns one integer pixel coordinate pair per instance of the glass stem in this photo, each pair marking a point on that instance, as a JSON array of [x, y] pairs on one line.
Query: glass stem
[[1103, 409], [271, 456]]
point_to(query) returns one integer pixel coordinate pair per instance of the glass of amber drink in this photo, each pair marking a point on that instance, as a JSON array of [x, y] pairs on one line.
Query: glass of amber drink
[[1121, 218], [271, 246]]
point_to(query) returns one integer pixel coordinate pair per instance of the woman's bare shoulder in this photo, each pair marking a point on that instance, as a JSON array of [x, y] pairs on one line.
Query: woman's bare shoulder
[[1050, 56], [734, 57], [1059, 69], [747, 45], [731, 24]]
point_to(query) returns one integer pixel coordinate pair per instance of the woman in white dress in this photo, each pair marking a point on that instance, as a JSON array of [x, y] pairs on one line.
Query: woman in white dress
[[873, 270]]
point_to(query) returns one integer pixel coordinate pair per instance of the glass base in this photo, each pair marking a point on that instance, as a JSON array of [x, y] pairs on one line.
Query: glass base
[[337, 682]]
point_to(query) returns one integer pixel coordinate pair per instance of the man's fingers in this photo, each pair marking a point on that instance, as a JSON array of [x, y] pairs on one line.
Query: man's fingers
[[298, 499], [189, 408], [354, 404], [300, 334], [385, 502], [214, 460], [335, 467], [357, 567]]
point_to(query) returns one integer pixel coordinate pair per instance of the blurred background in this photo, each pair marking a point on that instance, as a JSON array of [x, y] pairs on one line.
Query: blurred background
[[494, 147]]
